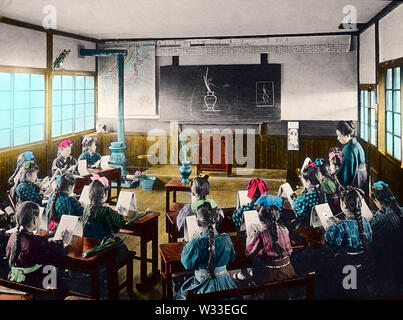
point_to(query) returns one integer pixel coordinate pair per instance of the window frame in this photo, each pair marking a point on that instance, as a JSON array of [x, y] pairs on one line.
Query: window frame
[[371, 91]]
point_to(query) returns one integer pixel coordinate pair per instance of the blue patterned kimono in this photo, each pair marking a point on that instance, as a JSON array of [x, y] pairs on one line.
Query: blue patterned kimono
[[91, 160], [345, 235], [305, 201], [353, 171], [237, 216], [64, 205], [27, 191], [195, 255], [387, 221]]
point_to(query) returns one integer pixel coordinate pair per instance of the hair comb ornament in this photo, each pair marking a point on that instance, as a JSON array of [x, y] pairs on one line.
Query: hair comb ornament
[[196, 205], [26, 165], [65, 143], [88, 139], [380, 185], [255, 183], [318, 161], [103, 180], [27, 156]]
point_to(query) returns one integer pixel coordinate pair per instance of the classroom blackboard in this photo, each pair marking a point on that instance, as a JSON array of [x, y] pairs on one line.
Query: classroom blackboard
[[220, 93]]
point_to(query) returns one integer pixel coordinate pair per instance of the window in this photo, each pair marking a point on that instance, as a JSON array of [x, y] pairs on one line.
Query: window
[[368, 121], [22, 108], [393, 113], [73, 104]]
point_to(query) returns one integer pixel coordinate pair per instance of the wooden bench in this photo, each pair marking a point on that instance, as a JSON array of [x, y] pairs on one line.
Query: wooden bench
[[29, 291], [308, 282]]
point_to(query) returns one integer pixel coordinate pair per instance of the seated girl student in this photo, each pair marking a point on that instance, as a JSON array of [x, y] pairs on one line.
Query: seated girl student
[[271, 245], [62, 202], [27, 189], [312, 193], [28, 253], [199, 188], [387, 218], [256, 188], [64, 162], [353, 169], [208, 254], [89, 151], [354, 233], [16, 176], [335, 158]]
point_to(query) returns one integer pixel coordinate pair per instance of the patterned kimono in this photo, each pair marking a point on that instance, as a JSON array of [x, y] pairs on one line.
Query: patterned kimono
[[345, 235], [385, 221], [353, 170], [305, 201], [35, 252], [63, 163], [63, 205], [91, 160], [277, 268], [195, 256], [237, 216], [103, 223], [27, 191], [186, 211]]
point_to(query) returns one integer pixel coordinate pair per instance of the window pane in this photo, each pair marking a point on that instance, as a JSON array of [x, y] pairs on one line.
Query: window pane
[[366, 100], [80, 96], [67, 112], [89, 123], [56, 128], [56, 98], [21, 99], [37, 116], [373, 99], [21, 136], [396, 101], [21, 117], [373, 117], [57, 83], [397, 125], [397, 147], [362, 114], [389, 79], [366, 133], [80, 111], [396, 78], [67, 97], [373, 136], [56, 113], [79, 125], [21, 81], [80, 82], [89, 82], [37, 133], [37, 98], [5, 120], [5, 81], [362, 97], [389, 100], [362, 129], [389, 143], [67, 82], [4, 138], [37, 82], [5, 100], [67, 126], [389, 125], [89, 96], [366, 115], [89, 109]]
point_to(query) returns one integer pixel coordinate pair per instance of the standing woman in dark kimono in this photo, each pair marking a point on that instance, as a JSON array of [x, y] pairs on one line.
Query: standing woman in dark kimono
[[353, 169]]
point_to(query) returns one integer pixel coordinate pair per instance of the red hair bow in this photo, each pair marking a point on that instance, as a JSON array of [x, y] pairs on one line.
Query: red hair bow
[[103, 180], [312, 164], [65, 143], [333, 154], [255, 183]]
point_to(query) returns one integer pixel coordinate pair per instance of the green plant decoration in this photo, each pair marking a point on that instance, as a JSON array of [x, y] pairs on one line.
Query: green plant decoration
[[60, 58]]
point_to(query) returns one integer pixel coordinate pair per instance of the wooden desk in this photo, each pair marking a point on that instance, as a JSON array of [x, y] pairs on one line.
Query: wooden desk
[[112, 174], [226, 225], [12, 296], [313, 237], [73, 260], [173, 186], [147, 229]]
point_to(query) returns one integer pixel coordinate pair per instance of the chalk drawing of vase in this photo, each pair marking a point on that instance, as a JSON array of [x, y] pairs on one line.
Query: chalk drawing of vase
[[210, 100]]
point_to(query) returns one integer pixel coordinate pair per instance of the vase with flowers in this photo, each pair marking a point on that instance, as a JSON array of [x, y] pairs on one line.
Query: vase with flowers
[[185, 169]]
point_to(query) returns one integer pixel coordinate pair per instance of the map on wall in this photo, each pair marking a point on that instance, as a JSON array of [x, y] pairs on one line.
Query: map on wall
[[139, 81]]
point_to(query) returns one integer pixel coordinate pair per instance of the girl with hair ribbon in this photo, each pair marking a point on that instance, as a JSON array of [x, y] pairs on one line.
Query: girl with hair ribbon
[[64, 161], [89, 153]]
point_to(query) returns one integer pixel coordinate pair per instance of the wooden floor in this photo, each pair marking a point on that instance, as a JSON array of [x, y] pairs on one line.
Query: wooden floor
[[223, 191]]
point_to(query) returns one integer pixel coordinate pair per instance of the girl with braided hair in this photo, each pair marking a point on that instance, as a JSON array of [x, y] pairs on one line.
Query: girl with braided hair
[[256, 188], [208, 254], [27, 189], [271, 245], [100, 221], [353, 234], [16, 176], [89, 151], [199, 189], [62, 202], [27, 253]]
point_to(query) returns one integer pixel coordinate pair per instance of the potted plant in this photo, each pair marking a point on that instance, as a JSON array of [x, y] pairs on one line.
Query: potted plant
[[146, 182]]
